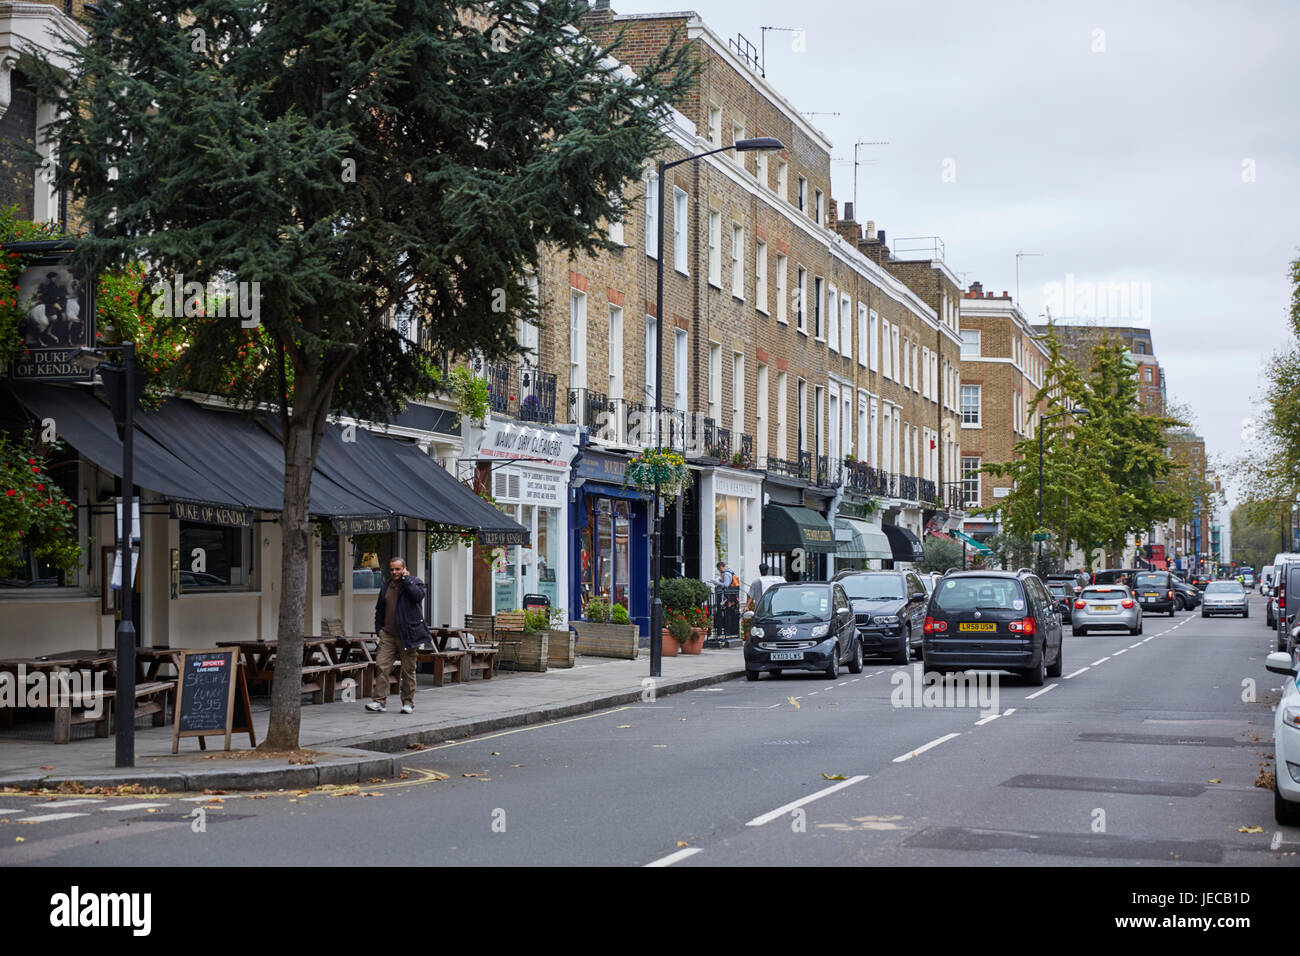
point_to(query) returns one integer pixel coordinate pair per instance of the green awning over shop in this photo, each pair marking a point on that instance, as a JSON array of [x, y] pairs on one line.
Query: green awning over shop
[[972, 542], [865, 540], [786, 527]]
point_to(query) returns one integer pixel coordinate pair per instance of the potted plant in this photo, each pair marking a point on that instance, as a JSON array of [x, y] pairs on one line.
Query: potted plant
[[677, 632], [686, 599], [600, 634], [559, 639]]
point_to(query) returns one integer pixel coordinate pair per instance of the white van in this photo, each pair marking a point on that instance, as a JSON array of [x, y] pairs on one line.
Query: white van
[[1265, 579]]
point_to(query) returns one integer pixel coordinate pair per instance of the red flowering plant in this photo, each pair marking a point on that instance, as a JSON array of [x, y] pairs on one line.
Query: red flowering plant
[[34, 511]]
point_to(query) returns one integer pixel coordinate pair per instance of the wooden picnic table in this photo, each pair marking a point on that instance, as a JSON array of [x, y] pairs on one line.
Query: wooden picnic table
[[87, 706], [318, 667]]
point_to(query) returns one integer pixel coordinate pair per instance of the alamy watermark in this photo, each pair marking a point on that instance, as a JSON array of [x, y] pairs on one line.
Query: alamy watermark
[[1082, 299], [913, 688], [62, 688], [216, 299]]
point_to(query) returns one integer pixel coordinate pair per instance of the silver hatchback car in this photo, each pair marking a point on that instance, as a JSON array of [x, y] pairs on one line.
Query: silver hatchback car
[[1225, 597], [1106, 606]]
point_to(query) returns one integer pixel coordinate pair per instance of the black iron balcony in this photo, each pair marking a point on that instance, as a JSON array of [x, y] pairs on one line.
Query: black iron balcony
[[907, 489], [929, 491], [806, 465], [720, 446], [779, 466], [744, 458], [586, 406], [536, 395]]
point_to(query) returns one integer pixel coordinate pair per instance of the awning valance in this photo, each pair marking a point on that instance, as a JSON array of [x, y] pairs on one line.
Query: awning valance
[[787, 527], [905, 545], [865, 541]]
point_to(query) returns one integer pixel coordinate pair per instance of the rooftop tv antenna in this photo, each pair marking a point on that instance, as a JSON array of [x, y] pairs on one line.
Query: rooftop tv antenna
[[856, 164]]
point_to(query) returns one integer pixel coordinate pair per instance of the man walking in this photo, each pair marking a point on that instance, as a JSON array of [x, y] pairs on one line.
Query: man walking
[[760, 584], [399, 622]]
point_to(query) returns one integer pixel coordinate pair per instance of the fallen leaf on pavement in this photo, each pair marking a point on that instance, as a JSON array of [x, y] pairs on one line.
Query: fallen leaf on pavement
[[1216, 781], [374, 779], [661, 746], [794, 703], [213, 800], [150, 809], [210, 757], [257, 796], [682, 843], [403, 776], [372, 794], [622, 726], [471, 775], [1250, 829], [495, 753], [832, 776], [47, 768], [217, 792], [516, 765], [20, 839]]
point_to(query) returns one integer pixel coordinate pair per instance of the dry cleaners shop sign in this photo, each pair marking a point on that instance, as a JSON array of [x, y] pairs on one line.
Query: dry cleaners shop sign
[[512, 441]]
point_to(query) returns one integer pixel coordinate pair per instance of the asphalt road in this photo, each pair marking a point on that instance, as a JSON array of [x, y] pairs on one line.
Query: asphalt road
[[1144, 753]]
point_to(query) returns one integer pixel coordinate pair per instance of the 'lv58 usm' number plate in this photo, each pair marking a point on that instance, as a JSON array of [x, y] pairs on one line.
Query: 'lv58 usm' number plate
[[977, 627]]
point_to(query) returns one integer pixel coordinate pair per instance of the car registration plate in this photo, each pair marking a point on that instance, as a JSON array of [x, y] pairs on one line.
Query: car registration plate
[[977, 627], [787, 655], [1103, 607], [1151, 595]]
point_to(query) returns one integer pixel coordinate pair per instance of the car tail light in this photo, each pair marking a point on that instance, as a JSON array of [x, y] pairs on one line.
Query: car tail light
[[931, 625], [1169, 595], [1080, 605], [1126, 603], [1023, 626]]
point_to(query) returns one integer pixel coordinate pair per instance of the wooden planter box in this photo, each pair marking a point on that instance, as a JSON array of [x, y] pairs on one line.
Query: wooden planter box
[[534, 649], [560, 648], [607, 640]]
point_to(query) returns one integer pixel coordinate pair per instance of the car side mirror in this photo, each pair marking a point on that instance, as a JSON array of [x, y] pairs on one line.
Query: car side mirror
[[747, 616], [1279, 662]]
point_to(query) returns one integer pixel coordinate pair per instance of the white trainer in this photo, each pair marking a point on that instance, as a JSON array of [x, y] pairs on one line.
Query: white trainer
[[375, 707], [408, 708]]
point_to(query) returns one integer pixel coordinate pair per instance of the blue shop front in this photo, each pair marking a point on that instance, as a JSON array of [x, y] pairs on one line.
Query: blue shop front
[[609, 524]]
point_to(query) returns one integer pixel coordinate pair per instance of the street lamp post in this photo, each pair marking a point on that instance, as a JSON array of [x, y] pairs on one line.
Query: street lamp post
[[1079, 410], [656, 603], [123, 405]]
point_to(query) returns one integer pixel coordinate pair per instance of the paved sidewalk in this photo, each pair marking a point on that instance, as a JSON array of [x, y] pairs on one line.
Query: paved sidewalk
[[356, 745]]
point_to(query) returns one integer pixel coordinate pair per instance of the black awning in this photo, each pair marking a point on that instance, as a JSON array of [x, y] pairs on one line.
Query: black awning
[[466, 509], [85, 423], [186, 452], [787, 527], [405, 481], [905, 545]]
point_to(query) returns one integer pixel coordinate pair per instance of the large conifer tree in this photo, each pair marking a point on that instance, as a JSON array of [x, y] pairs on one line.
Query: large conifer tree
[[353, 157]]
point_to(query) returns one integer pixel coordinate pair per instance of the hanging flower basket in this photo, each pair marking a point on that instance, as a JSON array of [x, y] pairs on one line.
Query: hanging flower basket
[[658, 466]]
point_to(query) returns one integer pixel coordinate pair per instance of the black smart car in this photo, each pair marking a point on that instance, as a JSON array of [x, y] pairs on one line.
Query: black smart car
[[889, 610], [994, 619], [806, 626]]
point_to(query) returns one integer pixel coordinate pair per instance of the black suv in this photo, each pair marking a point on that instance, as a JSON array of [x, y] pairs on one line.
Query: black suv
[[888, 609], [993, 619], [1155, 591]]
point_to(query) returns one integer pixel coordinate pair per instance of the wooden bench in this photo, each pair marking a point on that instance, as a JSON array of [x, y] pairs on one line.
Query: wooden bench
[[150, 698], [445, 663], [482, 657]]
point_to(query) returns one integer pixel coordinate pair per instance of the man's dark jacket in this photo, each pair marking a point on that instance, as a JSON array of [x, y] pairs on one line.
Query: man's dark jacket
[[409, 613]]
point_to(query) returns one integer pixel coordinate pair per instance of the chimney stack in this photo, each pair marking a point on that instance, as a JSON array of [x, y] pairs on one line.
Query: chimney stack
[[871, 230], [848, 211], [977, 290]]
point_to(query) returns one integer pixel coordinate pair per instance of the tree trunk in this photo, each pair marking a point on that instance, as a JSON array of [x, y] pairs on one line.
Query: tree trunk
[[301, 444]]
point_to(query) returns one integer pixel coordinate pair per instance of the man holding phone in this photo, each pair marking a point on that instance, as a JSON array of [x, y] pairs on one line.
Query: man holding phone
[[399, 623]]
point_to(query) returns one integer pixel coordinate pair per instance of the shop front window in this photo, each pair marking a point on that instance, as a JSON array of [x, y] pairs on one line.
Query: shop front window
[[549, 537], [622, 553], [605, 549], [213, 558], [505, 570]]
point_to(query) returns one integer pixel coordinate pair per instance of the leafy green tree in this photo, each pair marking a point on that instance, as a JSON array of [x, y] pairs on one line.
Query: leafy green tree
[[360, 159], [1104, 475], [940, 555]]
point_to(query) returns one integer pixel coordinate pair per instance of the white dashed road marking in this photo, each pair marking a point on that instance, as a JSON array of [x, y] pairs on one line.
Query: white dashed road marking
[[1078, 672], [924, 747], [1102, 661], [672, 858], [984, 720], [1122, 650], [781, 811], [1040, 693], [50, 817]]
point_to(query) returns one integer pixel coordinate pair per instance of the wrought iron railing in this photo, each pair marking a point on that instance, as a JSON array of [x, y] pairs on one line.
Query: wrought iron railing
[[780, 466], [586, 406], [806, 465], [907, 489], [521, 391], [929, 491]]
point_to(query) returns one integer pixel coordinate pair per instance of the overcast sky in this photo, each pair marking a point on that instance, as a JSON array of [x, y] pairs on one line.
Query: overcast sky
[[1151, 143]]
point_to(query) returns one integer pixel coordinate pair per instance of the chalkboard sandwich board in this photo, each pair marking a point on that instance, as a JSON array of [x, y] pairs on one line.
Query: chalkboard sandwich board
[[212, 697]]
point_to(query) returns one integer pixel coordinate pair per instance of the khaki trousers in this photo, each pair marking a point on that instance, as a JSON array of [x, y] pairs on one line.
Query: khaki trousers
[[391, 649]]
